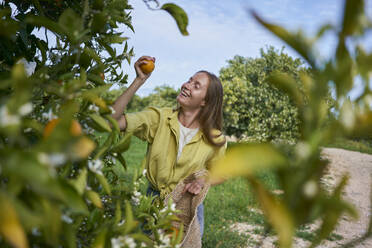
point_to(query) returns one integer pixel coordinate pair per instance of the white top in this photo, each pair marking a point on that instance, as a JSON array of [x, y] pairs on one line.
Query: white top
[[186, 135]]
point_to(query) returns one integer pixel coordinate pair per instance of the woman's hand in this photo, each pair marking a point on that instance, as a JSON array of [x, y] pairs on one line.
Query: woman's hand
[[195, 186], [142, 60]]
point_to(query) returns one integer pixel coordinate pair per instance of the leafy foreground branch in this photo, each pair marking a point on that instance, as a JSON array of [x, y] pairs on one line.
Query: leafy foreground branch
[[305, 199], [63, 177]]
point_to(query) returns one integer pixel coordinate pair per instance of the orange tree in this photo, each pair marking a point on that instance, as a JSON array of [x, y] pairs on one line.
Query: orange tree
[[60, 184], [305, 198]]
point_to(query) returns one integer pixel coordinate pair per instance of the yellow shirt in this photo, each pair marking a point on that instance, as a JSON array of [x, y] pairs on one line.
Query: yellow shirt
[[160, 128]]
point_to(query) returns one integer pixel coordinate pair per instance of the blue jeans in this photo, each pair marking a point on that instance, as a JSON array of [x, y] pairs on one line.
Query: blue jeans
[[200, 211]]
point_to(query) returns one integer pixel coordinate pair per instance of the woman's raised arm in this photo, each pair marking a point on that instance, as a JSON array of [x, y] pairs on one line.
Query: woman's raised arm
[[123, 100]]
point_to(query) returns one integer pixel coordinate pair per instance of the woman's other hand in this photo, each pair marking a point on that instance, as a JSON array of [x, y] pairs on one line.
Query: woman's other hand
[[195, 186], [137, 66]]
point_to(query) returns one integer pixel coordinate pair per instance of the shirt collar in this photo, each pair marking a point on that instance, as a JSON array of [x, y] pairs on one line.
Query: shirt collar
[[173, 124]]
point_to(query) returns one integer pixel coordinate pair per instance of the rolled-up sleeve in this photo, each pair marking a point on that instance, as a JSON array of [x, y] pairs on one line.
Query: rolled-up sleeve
[[143, 124]]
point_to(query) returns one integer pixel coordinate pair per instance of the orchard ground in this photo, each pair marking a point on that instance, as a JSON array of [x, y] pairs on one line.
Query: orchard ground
[[233, 218]]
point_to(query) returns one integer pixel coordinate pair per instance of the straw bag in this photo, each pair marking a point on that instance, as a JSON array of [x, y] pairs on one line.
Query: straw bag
[[188, 204]]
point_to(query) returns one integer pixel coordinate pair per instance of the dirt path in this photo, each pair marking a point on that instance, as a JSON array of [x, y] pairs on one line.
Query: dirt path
[[357, 192]]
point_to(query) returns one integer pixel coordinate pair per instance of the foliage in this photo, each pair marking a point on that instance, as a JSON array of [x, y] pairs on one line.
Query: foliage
[[304, 198], [68, 189], [163, 96], [254, 109]]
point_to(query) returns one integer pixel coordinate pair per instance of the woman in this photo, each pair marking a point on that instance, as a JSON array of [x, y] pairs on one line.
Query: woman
[[180, 141]]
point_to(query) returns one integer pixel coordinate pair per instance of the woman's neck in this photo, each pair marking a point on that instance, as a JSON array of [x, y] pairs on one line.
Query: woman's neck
[[188, 118]]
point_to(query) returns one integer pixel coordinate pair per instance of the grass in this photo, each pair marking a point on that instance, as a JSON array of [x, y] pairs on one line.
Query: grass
[[358, 145], [233, 202]]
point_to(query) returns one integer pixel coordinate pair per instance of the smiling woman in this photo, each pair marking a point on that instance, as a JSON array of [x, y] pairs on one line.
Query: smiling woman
[[183, 142]]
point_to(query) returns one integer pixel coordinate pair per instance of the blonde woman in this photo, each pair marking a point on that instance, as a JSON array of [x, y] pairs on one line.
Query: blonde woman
[[181, 141]]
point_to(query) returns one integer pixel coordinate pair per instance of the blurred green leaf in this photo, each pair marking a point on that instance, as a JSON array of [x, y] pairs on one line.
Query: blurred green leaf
[[10, 226], [80, 182], [288, 85], [246, 160], [296, 41], [94, 198], [103, 181], [179, 16], [123, 144], [100, 122], [99, 241], [277, 213], [130, 223], [353, 16]]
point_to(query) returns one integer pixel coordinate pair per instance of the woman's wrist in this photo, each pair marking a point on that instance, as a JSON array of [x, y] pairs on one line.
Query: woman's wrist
[[140, 80]]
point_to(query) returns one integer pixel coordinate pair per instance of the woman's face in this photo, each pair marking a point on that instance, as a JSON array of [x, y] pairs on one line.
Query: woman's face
[[194, 91]]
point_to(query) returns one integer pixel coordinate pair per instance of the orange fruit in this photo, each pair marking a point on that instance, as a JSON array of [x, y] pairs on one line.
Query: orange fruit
[[148, 67], [75, 128], [102, 75]]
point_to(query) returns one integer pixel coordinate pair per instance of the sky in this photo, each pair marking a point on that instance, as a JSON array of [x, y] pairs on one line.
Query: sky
[[219, 30]]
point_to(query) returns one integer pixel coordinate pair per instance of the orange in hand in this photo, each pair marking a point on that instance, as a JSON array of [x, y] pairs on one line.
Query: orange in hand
[[75, 128], [148, 67]]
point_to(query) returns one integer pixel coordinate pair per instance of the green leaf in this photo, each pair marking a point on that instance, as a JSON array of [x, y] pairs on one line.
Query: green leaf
[[96, 79], [81, 181], [296, 41], [286, 83], [122, 161], [117, 213], [276, 212], [123, 144], [115, 39], [113, 122], [130, 223], [353, 17], [179, 16], [72, 198], [246, 160], [94, 198], [99, 241], [70, 23], [40, 21], [103, 181], [10, 226], [101, 122]]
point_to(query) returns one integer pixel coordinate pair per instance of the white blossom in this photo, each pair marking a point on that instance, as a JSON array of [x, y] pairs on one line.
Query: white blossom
[[53, 159], [93, 107], [310, 188], [66, 219], [25, 109], [112, 110], [6, 118], [144, 172], [29, 66], [27, 130], [164, 240], [95, 166], [303, 150], [123, 241], [49, 115], [136, 198]]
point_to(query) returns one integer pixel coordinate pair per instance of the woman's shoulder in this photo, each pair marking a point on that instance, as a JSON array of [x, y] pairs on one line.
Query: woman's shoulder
[[217, 136]]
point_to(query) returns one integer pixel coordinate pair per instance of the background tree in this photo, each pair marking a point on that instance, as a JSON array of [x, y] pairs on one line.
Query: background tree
[[253, 108]]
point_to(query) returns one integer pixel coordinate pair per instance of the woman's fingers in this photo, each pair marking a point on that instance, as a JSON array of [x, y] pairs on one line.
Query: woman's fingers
[[193, 188], [186, 188]]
